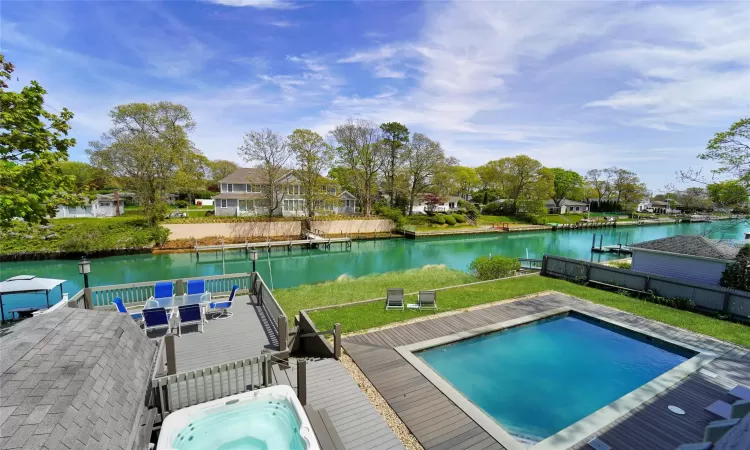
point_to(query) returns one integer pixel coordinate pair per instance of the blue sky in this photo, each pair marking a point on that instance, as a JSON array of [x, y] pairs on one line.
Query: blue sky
[[580, 85]]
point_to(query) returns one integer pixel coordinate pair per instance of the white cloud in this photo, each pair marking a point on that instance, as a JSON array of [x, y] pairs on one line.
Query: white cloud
[[259, 4], [282, 23]]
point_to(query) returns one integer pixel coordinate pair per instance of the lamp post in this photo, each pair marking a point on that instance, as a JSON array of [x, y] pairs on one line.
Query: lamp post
[[84, 267], [254, 257]]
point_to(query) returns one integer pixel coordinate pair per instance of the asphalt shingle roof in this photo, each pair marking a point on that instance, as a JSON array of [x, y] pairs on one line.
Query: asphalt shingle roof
[[690, 245], [73, 379]]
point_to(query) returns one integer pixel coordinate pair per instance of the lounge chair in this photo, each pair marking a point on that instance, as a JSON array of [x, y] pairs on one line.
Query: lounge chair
[[394, 299], [427, 300], [741, 392], [164, 289], [190, 315], [154, 319], [224, 306], [736, 410], [137, 316]]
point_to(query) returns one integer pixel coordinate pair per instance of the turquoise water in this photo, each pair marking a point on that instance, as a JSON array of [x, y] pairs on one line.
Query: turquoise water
[[366, 257], [253, 425], [537, 379]]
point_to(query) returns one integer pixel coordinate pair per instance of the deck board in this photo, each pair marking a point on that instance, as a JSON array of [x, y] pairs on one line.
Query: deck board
[[331, 387], [439, 424], [244, 335]]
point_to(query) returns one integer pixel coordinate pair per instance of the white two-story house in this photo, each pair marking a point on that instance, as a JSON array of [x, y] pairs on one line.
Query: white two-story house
[[243, 194]]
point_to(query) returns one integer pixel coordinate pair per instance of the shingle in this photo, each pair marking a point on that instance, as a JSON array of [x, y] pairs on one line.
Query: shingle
[[37, 414], [690, 245], [20, 436], [48, 423]]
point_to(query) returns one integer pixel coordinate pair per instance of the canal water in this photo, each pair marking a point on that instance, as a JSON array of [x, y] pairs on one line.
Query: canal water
[[303, 266]]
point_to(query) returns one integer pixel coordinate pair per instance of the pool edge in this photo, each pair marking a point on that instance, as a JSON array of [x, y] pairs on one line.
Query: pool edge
[[576, 431]]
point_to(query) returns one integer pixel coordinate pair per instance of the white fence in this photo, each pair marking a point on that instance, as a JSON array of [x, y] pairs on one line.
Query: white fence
[[707, 297]]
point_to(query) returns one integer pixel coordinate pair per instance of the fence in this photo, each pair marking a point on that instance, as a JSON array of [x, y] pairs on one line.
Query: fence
[[173, 392], [76, 301], [102, 296], [707, 297], [272, 309]]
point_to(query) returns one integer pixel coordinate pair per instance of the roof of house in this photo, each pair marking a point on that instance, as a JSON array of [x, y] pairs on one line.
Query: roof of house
[[240, 196], [564, 202], [691, 246], [74, 379]]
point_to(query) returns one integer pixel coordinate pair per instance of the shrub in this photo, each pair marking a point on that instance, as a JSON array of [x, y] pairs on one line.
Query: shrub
[[621, 265], [459, 218], [391, 213], [496, 209], [471, 209], [438, 220], [490, 268], [537, 220], [180, 203], [450, 220], [736, 275]]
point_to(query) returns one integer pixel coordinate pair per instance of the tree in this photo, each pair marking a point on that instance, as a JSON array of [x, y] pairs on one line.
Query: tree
[[312, 156], [343, 177], [395, 136], [431, 201], [466, 180], [731, 149], [627, 186], [727, 194], [85, 175], [192, 177], [737, 274], [600, 182], [423, 159], [145, 149], [566, 184], [221, 168], [271, 154], [361, 151], [489, 177], [33, 142], [692, 199], [525, 183]]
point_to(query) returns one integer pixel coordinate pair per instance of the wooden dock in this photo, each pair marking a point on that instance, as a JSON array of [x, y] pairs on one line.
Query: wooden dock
[[310, 242], [439, 424], [619, 249]]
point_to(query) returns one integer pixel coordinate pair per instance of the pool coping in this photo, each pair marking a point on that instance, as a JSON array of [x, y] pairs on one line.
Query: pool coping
[[579, 430]]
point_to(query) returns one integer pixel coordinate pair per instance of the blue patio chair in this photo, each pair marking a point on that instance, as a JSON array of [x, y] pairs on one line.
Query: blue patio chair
[[164, 289], [155, 319], [224, 306], [137, 316], [190, 315], [196, 286]]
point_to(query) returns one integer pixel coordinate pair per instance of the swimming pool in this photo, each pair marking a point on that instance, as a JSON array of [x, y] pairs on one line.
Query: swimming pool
[[538, 376], [270, 418]]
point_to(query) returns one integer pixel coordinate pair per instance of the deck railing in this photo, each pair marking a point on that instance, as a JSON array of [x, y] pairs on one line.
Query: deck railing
[[132, 293], [173, 392], [276, 316], [76, 301]]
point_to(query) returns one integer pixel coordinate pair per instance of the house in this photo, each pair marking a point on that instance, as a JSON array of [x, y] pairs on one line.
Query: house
[[657, 207], [242, 194], [691, 258], [449, 203], [103, 205], [566, 207]]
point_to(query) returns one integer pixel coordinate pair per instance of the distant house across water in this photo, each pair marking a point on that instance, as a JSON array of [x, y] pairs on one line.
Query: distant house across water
[[103, 205], [690, 258], [566, 207]]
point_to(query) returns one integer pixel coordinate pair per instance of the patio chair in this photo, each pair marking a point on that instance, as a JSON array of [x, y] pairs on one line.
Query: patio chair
[[741, 392], [137, 316], [196, 287], [190, 315], [224, 312], [394, 299], [164, 289], [154, 319], [427, 300], [736, 410]]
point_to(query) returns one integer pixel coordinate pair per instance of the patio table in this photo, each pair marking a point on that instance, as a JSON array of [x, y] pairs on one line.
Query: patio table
[[173, 303]]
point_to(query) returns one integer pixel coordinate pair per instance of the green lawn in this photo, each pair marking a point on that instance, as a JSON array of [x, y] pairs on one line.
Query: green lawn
[[369, 315], [564, 218], [497, 220], [363, 288]]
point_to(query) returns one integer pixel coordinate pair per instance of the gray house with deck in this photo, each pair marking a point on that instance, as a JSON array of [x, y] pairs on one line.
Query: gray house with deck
[[244, 193]]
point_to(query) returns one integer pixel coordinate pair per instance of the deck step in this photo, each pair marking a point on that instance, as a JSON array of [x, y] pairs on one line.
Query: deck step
[[325, 432]]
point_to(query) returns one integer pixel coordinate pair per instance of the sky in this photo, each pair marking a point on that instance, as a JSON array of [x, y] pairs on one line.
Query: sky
[[579, 85]]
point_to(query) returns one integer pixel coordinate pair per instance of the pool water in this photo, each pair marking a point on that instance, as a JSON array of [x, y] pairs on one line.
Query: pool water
[[259, 425], [539, 378]]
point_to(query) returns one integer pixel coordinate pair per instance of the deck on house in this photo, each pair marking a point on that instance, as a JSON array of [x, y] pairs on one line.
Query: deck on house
[[246, 334], [331, 387], [439, 424]]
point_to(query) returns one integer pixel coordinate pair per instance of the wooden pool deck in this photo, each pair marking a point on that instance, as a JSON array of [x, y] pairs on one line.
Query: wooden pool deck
[[440, 425], [330, 387], [246, 334]]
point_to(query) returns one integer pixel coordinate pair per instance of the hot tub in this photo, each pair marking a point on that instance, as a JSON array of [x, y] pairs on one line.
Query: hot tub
[[270, 418]]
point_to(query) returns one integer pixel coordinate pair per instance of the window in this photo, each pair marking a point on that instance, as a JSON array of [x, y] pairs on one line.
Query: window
[[229, 187], [255, 188], [223, 203], [331, 190], [294, 205], [104, 203], [293, 189]]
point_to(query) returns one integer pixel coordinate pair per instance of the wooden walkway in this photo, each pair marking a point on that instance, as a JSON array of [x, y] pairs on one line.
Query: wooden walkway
[[439, 424], [331, 387], [243, 335]]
